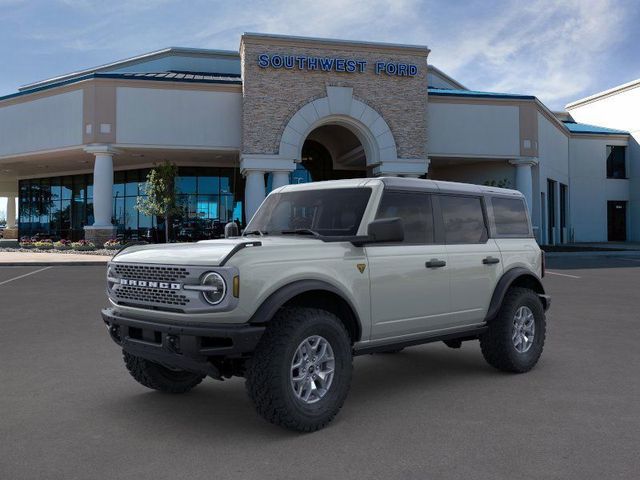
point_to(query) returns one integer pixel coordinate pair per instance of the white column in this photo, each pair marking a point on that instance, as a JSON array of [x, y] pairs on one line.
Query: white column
[[280, 179], [11, 211], [254, 192], [524, 179], [103, 189]]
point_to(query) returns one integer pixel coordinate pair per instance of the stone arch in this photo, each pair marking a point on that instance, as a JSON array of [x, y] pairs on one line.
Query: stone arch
[[340, 108]]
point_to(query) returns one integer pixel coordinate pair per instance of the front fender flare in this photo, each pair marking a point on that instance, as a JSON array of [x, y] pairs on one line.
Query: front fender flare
[[277, 299]]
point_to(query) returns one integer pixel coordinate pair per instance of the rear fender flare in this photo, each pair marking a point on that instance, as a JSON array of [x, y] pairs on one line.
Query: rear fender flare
[[508, 279]]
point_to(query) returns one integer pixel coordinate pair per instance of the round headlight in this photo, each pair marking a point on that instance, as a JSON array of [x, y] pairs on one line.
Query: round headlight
[[215, 288]]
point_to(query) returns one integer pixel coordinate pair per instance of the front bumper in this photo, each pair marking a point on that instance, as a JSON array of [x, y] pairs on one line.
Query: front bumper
[[190, 348]]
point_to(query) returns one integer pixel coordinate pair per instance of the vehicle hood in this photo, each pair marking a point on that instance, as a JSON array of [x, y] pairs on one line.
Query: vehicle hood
[[208, 252]]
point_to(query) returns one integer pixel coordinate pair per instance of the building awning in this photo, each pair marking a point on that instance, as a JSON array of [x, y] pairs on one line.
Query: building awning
[[585, 128], [447, 92], [171, 76]]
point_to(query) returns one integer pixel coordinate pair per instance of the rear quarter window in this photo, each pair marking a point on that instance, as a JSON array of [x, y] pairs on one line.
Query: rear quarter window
[[510, 217]]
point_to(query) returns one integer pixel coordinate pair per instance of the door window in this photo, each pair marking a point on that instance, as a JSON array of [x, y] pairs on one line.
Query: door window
[[463, 219], [415, 211]]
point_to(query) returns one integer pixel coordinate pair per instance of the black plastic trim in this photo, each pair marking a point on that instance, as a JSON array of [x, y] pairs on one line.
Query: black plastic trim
[[237, 248], [243, 337], [471, 334], [503, 285], [271, 305]]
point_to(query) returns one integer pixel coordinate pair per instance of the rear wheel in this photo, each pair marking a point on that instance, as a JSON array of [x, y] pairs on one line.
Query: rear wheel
[[515, 339], [157, 377], [300, 373]]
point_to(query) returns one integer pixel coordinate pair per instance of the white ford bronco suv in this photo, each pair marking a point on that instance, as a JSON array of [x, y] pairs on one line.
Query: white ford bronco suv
[[326, 271]]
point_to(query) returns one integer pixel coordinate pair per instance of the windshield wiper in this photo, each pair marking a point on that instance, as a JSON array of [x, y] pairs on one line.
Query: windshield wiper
[[301, 231], [254, 232]]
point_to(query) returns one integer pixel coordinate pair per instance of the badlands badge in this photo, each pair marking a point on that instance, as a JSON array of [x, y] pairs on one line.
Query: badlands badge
[[361, 267]]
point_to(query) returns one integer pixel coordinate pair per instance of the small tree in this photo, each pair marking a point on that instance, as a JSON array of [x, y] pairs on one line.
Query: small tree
[[161, 195], [503, 183]]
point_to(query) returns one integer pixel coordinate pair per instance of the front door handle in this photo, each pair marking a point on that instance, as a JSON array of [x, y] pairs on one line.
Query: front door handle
[[490, 260], [435, 263]]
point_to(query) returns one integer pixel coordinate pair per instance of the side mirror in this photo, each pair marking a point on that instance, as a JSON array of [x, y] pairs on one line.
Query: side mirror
[[386, 230]]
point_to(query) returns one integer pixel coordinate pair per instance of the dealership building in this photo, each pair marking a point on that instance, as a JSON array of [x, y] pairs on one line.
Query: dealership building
[[75, 150]]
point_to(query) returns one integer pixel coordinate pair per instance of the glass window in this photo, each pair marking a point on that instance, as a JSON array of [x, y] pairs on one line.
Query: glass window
[[463, 219], [131, 185], [510, 216], [330, 212], [616, 161], [186, 184], [118, 184], [131, 214], [415, 211], [67, 188], [209, 185]]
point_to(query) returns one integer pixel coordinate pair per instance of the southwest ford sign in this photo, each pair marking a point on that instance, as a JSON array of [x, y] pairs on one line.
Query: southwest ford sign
[[332, 64]]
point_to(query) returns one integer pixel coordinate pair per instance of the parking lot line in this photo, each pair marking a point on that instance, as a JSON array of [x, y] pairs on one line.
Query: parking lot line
[[25, 275], [562, 274]]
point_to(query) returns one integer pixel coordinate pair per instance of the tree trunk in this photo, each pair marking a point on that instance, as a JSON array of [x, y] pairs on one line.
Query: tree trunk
[[166, 227]]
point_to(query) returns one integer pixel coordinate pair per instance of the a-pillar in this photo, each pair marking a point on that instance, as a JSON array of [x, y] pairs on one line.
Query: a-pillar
[[102, 228], [524, 179]]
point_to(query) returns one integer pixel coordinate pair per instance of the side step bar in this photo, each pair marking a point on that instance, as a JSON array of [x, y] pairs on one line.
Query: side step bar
[[462, 336]]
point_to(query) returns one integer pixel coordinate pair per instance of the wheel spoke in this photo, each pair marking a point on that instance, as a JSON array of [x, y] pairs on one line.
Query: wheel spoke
[[315, 356]]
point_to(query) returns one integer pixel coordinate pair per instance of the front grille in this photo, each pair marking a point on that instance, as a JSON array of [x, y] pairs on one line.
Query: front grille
[[146, 272], [134, 294]]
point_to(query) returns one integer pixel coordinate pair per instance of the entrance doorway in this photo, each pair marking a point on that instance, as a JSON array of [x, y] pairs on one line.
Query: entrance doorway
[[617, 221], [331, 152]]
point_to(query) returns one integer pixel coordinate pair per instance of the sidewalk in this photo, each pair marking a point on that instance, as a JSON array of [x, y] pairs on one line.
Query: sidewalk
[[45, 259]]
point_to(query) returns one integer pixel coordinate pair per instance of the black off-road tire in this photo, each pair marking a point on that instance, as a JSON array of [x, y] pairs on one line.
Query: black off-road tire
[[268, 376], [157, 377], [496, 344]]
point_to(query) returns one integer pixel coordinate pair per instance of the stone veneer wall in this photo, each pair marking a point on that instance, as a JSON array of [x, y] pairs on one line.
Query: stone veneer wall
[[271, 96]]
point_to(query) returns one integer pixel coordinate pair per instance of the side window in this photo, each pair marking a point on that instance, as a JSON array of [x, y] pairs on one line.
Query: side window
[[510, 216], [463, 219], [415, 211]]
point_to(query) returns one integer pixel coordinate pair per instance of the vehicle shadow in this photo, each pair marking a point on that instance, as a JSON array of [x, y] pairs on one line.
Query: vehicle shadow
[[214, 409]]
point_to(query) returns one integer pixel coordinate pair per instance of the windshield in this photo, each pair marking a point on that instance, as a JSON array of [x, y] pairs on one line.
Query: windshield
[[326, 212]]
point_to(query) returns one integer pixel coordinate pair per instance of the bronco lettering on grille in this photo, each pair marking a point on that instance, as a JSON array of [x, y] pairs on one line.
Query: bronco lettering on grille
[[150, 284]]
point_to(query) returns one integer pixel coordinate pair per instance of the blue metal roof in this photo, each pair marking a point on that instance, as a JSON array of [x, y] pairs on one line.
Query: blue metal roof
[[592, 129], [450, 92], [228, 79]]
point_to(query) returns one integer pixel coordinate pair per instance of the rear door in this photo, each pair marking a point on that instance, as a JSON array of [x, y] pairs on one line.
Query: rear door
[[475, 263], [410, 279]]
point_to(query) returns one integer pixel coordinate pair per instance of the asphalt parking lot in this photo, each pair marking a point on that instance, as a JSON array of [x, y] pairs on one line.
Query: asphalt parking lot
[[69, 410]]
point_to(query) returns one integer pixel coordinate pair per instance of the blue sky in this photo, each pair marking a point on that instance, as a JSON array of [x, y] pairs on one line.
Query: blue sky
[[557, 50]]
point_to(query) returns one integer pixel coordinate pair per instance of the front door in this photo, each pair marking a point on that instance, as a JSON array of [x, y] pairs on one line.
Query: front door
[[409, 280], [617, 221]]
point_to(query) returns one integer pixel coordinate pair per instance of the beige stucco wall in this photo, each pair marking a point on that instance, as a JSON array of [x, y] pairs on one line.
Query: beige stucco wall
[[189, 118], [44, 123], [272, 96]]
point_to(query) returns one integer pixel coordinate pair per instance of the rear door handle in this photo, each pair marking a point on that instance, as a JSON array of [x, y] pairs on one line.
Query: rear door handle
[[435, 263], [490, 260]]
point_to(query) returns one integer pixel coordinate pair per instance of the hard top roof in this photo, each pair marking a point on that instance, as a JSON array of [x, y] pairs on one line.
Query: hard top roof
[[405, 183]]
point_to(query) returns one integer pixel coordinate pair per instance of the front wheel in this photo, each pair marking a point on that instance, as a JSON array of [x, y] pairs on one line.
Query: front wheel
[[516, 336], [157, 377], [300, 373]]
